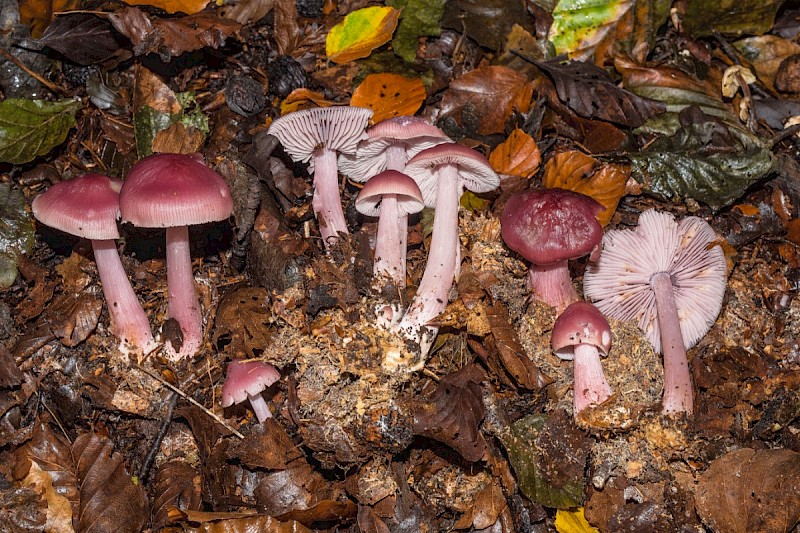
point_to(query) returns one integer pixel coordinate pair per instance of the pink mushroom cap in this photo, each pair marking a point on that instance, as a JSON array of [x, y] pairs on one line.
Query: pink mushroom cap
[[409, 197], [87, 206], [245, 379], [580, 323]]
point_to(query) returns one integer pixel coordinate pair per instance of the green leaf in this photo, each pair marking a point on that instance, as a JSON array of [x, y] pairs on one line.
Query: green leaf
[[146, 123], [419, 18], [191, 114], [16, 233], [30, 128]]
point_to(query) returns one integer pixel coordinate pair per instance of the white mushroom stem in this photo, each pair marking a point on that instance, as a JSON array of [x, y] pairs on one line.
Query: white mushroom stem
[[678, 394], [396, 159], [590, 386], [552, 284], [390, 244], [260, 407], [327, 202], [182, 302], [128, 321]]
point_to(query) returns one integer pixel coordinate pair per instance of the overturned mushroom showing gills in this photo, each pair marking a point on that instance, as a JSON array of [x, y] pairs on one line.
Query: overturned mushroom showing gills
[[548, 227], [581, 333], [174, 191], [442, 173], [670, 277], [317, 136], [88, 207], [246, 381]]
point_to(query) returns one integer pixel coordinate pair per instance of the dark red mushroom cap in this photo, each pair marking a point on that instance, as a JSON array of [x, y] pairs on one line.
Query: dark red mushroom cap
[[474, 170], [580, 323], [247, 378], [409, 198], [167, 190], [550, 225], [87, 206]]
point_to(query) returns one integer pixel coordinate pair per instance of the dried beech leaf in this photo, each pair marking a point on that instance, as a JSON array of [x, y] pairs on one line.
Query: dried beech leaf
[[295, 488], [74, 317], [243, 318], [323, 511], [177, 484], [303, 98], [178, 139], [575, 171], [287, 31], [21, 509], [453, 413], [389, 95], [82, 38], [516, 156], [59, 510], [52, 453], [369, 521], [38, 14], [748, 490], [10, 374], [42, 292], [109, 499], [512, 354], [267, 446], [251, 524], [590, 92]]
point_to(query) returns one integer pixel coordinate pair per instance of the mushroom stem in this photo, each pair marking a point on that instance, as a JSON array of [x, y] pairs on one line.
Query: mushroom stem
[[327, 202], [396, 159], [389, 261], [677, 381], [260, 407], [128, 321], [552, 284], [590, 386], [182, 303]]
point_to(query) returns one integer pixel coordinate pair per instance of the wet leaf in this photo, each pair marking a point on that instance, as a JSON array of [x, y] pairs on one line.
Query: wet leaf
[[419, 18], [177, 484], [748, 490], [486, 509], [267, 446], [573, 521], [172, 6], [21, 509], [590, 92], [323, 511], [295, 488], [287, 30], [108, 496], [512, 354], [369, 521], [548, 454], [38, 14], [243, 320], [453, 413], [30, 128], [250, 524], [247, 10], [16, 233], [389, 95], [736, 17], [10, 374], [766, 53], [73, 317], [82, 38], [486, 98], [518, 155], [360, 32], [486, 21], [575, 171]]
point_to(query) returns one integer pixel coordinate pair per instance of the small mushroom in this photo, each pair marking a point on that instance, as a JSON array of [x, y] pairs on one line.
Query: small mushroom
[[88, 207], [316, 136], [581, 333], [174, 191], [669, 276], [246, 381], [548, 227]]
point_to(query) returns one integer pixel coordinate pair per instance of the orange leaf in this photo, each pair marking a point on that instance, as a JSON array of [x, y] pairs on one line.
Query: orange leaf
[[190, 7], [38, 14], [793, 230], [575, 171], [389, 95], [516, 156], [303, 98]]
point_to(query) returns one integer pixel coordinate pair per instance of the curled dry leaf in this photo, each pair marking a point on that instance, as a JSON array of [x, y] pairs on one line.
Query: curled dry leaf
[[575, 171], [267, 446], [389, 95], [303, 98], [109, 499], [516, 156], [177, 484], [243, 321], [748, 490]]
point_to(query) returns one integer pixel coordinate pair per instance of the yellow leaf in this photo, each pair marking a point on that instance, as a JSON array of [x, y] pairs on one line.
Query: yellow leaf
[[389, 95], [360, 32], [303, 98], [573, 521], [190, 7], [516, 156], [38, 14]]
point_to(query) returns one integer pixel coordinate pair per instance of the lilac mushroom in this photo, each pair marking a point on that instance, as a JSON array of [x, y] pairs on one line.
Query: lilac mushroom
[[174, 191], [88, 207], [581, 333], [316, 136], [246, 381], [670, 277]]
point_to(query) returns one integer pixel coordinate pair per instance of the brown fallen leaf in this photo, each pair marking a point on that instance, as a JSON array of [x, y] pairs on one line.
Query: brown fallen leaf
[[73, 317], [250, 524], [518, 155], [303, 98], [21, 509], [295, 488], [747, 490], [287, 31], [267, 446], [178, 139], [38, 14], [177, 484], [488, 94], [389, 95], [10, 374], [369, 521], [172, 6]]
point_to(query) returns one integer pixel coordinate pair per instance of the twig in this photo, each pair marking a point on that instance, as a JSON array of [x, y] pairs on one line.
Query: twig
[[50, 85], [189, 399], [783, 134], [144, 470]]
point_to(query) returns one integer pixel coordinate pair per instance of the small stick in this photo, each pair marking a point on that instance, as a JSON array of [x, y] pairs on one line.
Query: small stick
[[50, 85], [189, 399], [144, 471]]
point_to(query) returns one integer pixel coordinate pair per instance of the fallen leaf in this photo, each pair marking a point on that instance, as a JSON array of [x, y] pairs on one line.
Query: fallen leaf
[[735, 17], [16, 233], [512, 354], [82, 38], [189, 7], [575, 171], [573, 521], [360, 32], [295, 488], [287, 32], [389, 95], [303, 98], [268, 446], [518, 155], [419, 18], [178, 139], [489, 95], [73, 317], [766, 53], [177, 484], [38, 14], [10, 374], [486, 509], [486, 21], [793, 230], [247, 10], [748, 490], [21, 509], [261, 523], [31, 128], [369, 521]]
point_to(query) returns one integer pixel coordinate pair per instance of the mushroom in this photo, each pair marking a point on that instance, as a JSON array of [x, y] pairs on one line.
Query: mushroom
[[246, 380], [88, 207], [581, 333], [669, 276], [442, 173], [315, 136], [391, 196], [174, 191], [548, 227]]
